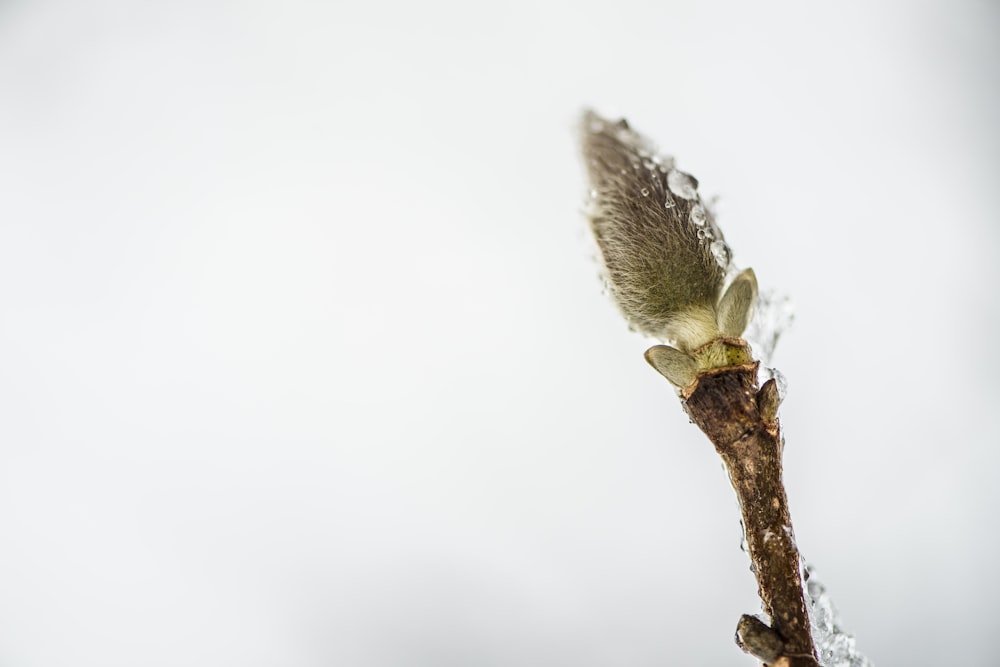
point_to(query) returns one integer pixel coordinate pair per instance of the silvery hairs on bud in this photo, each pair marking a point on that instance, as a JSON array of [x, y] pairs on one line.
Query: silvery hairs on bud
[[665, 259]]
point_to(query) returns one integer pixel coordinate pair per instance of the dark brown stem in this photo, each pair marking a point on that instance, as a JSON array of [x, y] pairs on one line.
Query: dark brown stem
[[741, 421]]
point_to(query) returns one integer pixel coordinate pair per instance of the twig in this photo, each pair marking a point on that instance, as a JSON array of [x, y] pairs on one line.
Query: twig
[[667, 265], [741, 421]]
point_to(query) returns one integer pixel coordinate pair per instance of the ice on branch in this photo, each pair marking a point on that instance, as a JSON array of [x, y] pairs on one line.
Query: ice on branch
[[836, 648], [772, 316]]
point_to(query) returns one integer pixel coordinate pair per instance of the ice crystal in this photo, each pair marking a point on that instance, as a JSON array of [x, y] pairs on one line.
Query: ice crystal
[[683, 185], [771, 318], [835, 647]]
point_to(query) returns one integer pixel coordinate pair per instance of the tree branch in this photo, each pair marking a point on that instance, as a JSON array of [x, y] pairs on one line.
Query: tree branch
[[741, 421], [670, 271]]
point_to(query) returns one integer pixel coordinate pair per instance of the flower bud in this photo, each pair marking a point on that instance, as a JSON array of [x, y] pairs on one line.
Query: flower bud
[[665, 259]]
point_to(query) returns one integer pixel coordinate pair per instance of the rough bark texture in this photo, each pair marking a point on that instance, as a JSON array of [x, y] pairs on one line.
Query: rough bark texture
[[741, 422]]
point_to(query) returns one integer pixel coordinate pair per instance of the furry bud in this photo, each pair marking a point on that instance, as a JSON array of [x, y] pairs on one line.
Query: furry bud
[[664, 257]]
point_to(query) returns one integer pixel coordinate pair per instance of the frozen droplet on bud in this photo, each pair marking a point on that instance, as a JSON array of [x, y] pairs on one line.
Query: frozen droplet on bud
[[723, 255], [702, 233], [683, 185], [645, 192], [669, 203], [698, 215], [624, 132]]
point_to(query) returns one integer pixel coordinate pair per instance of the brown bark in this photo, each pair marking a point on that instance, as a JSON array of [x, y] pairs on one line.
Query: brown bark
[[741, 421]]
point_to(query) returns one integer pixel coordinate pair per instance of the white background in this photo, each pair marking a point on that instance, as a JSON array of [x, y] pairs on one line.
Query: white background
[[304, 360]]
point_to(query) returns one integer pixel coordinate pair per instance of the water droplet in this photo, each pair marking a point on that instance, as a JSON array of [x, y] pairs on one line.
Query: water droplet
[[683, 185], [698, 215], [723, 255], [645, 192], [669, 203], [702, 233]]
